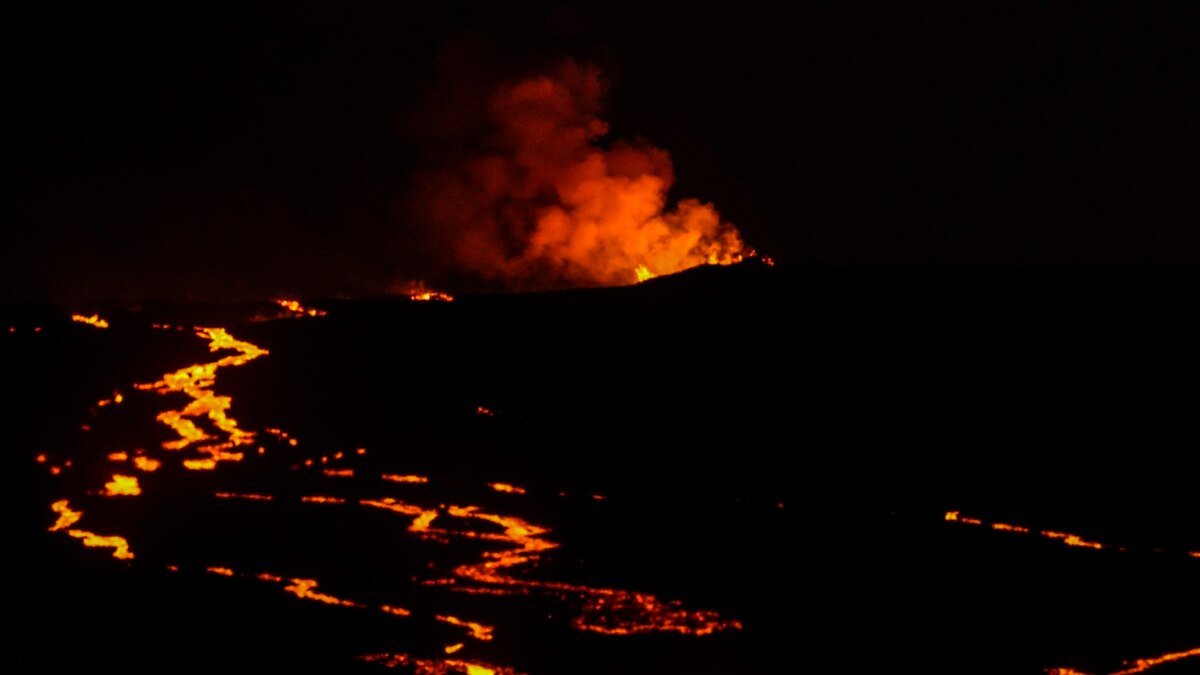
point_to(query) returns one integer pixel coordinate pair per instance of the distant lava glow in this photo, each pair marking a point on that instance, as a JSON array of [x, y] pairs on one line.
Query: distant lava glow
[[419, 292], [297, 309], [1064, 537]]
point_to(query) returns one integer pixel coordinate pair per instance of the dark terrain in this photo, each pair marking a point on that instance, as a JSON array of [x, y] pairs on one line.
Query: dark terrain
[[779, 445]]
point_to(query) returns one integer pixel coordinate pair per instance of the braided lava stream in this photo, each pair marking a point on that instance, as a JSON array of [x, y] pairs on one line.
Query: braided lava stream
[[505, 548], [206, 441]]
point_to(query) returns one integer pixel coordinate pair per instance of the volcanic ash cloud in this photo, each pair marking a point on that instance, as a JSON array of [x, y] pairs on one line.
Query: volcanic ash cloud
[[535, 200]]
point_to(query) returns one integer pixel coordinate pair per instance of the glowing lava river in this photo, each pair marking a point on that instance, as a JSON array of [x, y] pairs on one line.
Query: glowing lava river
[[432, 557]]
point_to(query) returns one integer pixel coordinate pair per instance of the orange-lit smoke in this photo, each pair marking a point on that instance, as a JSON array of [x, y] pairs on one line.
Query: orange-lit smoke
[[543, 204]]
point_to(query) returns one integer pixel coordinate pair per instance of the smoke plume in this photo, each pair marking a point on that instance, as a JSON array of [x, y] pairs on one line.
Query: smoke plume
[[532, 196]]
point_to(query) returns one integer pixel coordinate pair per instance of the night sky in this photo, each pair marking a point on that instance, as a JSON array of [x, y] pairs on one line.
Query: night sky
[[207, 153]]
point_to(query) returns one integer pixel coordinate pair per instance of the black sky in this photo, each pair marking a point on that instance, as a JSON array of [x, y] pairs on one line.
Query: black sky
[[205, 152]]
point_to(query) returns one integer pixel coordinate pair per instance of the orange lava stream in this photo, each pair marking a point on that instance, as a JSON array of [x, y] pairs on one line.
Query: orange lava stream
[[1064, 537], [93, 320], [303, 588], [312, 499], [197, 382], [478, 631], [68, 517], [1138, 666], [398, 478], [243, 495], [436, 666], [505, 487], [203, 426], [604, 610]]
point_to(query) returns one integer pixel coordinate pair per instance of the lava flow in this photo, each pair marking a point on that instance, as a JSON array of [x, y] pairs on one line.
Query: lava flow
[[1064, 537], [1138, 666], [207, 436], [93, 320], [197, 382]]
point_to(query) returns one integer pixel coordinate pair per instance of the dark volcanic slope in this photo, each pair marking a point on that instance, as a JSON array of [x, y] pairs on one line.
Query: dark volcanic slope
[[777, 444]]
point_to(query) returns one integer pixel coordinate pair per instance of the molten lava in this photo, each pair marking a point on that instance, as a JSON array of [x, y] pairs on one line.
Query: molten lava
[[197, 382], [419, 292], [93, 320], [122, 486], [297, 309], [68, 517], [1138, 666]]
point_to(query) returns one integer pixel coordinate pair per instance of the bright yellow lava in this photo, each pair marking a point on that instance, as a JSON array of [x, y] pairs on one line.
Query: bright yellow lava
[[122, 486], [197, 382], [146, 464], [68, 517], [93, 320]]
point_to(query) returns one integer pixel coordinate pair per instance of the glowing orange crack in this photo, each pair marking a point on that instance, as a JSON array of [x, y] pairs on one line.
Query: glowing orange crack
[[315, 499], [436, 666], [303, 588], [505, 487], [244, 495], [398, 478], [1064, 537], [1138, 666], [478, 631]]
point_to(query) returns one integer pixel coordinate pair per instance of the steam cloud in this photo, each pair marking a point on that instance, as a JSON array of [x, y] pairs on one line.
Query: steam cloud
[[534, 201]]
